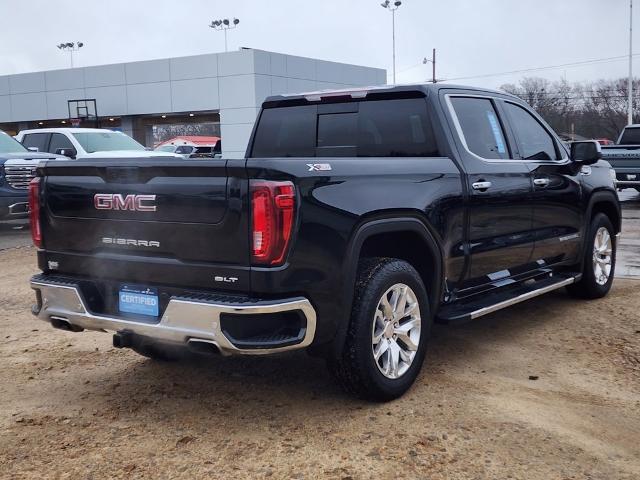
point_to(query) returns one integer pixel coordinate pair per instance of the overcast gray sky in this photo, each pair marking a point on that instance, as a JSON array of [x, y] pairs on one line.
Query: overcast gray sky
[[473, 37]]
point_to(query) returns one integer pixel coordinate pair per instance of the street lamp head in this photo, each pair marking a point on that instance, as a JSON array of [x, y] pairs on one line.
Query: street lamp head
[[385, 4], [60, 46], [69, 45], [236, 21], [80, 44], [225, 21], [397, 3]]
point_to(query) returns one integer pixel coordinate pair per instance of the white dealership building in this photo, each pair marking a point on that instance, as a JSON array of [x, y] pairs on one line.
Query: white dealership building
[[221, 90]]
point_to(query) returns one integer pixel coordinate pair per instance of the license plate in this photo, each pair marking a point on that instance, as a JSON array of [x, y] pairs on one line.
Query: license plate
[[138, 300], [631, 177]]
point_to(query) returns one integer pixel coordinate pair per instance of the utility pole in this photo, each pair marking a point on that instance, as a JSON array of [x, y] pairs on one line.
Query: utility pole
[[434, 79], [630, 86], [392, 8]]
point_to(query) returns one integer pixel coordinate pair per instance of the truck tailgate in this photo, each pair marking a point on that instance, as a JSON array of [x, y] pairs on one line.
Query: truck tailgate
[[167, 221]]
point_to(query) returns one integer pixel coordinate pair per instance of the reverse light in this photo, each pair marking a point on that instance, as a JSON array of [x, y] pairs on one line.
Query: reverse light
[[34, 211], [273, 213]]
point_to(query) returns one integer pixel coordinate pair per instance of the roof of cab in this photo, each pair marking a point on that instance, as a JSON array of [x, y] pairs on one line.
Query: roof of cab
[[363, 92], [66, 130]]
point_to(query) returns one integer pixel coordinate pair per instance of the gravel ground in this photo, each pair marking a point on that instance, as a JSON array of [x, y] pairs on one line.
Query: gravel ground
[[549, 389]]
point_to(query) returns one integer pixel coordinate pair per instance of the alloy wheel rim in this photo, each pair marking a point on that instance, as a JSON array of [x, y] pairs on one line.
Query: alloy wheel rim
[[396, 331], [602, 256]]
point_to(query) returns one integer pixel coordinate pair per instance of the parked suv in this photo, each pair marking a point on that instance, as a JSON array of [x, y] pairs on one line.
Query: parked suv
[[17, 168], [79, 143], [356, 219]]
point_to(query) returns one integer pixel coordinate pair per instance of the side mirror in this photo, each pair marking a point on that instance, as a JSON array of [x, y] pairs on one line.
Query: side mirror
[[587, 152], [33, 149], [67, 152]]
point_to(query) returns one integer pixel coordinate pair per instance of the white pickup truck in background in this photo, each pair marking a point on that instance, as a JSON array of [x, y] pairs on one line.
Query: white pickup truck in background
[[81, 143]]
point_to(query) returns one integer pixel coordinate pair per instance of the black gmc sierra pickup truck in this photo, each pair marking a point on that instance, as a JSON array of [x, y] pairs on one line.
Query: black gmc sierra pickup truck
[[356, 219]]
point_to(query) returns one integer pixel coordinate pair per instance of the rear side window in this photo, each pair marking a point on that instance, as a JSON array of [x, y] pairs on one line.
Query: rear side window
[[377, 128], [534, 141], [38, 140], [395, 128], [481, 127]]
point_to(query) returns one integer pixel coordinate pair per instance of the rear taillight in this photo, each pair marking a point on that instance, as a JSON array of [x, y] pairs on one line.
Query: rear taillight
[[34, 211], [273, 211]]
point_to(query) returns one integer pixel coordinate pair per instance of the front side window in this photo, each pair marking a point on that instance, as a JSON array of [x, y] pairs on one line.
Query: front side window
[[481, 127], [534, 141], [106, 141]]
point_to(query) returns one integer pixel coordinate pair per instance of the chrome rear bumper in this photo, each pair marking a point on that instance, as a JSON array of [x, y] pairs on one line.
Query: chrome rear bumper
[[183, 320]]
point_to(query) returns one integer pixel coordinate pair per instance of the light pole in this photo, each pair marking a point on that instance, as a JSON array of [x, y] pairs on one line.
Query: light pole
[[392, 7], [70, 47], [630, 86], [224, 24], [433, 64]]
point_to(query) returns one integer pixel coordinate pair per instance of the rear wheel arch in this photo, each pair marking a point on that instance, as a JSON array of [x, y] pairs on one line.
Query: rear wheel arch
[[374, 239]]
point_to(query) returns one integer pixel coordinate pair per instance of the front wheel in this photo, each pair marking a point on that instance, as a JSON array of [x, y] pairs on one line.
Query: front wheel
[[388, 331], [599, 260]]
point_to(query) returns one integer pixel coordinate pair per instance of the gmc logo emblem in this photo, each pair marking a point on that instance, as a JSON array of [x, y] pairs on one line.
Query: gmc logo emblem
[[116, 201]]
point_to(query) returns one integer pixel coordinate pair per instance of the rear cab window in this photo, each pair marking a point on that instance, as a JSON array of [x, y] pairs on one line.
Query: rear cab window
[[368, 128], [630, 136]]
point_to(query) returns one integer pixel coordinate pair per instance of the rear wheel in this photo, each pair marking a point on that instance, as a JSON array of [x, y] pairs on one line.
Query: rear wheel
[[387, 336], [599, 260]]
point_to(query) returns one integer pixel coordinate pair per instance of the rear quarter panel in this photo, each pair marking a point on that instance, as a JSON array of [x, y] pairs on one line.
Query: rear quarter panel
[[333, 205]]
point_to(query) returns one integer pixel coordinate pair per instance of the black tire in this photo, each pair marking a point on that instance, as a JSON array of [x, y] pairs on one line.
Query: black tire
[[588, 287], [158, 351], [356, 370]]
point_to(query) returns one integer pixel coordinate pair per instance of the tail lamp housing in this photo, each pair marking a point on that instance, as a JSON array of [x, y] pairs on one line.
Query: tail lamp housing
[[34, 211], [273, 207]]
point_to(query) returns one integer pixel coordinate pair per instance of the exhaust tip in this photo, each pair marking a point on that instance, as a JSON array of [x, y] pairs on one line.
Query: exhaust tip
[[61, 323], [203, 347]]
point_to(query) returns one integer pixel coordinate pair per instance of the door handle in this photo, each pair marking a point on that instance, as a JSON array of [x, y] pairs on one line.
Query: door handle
[[482, 186], [541, 182]]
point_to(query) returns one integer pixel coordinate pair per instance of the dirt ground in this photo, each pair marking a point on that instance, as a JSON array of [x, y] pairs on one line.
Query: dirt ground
[[549, 389]]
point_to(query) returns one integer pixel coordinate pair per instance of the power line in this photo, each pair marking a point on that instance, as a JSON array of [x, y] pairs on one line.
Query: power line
[[550, 67]]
